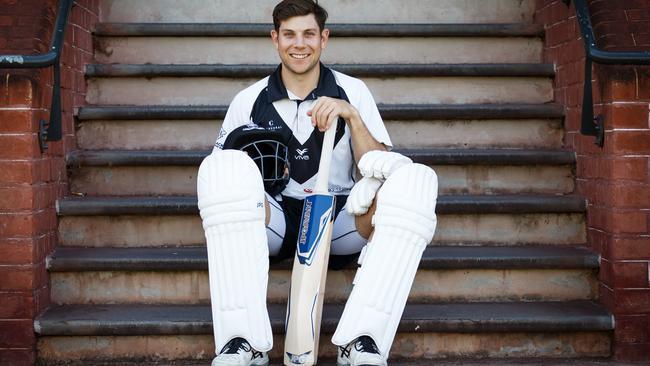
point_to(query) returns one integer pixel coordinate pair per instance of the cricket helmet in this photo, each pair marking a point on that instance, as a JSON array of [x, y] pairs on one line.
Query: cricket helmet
[[269, 151]]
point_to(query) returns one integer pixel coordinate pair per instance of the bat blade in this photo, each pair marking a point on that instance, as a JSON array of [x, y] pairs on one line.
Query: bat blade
[[308, 281]]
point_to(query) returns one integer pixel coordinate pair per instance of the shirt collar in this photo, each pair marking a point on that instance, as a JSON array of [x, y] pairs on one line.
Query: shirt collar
[[326, 87]]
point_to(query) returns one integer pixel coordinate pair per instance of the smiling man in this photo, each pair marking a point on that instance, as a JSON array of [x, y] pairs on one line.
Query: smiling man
[[264, 163]]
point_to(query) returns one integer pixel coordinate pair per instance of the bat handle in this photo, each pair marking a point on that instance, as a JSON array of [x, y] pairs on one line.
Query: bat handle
[[326, 159]]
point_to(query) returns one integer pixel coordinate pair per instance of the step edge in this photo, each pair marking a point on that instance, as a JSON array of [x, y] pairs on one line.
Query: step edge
[[447, 204], [195, 259]]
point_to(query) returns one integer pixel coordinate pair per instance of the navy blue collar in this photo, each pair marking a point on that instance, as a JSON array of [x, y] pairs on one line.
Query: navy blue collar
[[326, 87]]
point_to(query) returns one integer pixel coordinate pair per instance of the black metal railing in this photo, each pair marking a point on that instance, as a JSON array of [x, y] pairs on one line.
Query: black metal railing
[[589, 125], [47, 131]]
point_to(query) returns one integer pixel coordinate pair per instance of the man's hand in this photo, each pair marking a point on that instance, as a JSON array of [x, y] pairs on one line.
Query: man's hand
[[326, 109], [362, 195]]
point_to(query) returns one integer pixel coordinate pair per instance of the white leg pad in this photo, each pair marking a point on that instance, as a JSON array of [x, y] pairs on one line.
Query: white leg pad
[[231, 201], [405, 222]]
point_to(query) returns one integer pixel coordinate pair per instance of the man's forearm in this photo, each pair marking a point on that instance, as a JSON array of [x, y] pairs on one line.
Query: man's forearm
[[362, 140]]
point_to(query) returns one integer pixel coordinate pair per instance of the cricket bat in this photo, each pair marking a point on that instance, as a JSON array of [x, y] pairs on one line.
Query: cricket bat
[[304, 310]]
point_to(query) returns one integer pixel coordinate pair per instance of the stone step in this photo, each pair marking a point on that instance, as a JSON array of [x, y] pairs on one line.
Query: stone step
[[447, 204], [592, 361], [186, 43], [179, 275], [531, 126], [460, 171], [167, 332], [359, 11], [453, 229], [422, 156], [505, 220], [341, 30], [207, 90], [356, 70], [405, 112]]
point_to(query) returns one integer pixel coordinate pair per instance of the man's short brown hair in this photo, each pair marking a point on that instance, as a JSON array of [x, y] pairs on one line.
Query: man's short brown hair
[[294, 8]]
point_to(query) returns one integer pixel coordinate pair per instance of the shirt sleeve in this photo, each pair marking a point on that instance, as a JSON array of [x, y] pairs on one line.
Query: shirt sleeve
[[237, 115], [370, 115]]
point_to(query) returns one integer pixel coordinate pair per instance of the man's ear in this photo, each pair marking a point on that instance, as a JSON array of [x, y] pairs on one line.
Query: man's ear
[[274, 38], [324, 37]]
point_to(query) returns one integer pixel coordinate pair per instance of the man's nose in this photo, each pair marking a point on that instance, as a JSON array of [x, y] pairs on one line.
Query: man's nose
[[300, 41]]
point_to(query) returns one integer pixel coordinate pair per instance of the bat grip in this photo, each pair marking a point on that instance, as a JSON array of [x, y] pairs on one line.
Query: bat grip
[[326, 159]]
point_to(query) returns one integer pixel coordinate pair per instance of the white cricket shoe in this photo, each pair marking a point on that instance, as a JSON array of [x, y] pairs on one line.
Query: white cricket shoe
[[238, 352], [361, 352]]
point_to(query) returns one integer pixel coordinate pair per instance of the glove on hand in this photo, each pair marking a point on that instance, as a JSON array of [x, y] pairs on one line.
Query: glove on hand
[[362, 195], [381, 164]]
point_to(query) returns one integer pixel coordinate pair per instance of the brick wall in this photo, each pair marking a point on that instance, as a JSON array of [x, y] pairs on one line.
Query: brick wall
[[30, 181], [615, 179]]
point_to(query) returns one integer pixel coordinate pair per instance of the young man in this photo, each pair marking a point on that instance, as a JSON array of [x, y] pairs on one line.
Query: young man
[[244, 224]]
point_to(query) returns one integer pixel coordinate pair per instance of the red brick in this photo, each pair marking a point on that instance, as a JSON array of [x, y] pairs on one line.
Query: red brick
[[618, 83], [606, 273], [25, 171], [42, 300], [599, 241], [17, 356], [27, 197], [630, 274], [632, 352], [27, 224], [606, 296], [632, 328], [573, 119], [630, 195], [617, 220], [632, 168], [630, 142], [629, 221], [17, 225], [19, 146], [638, 14], [17, 333], [17, 121], [628, 116], [608, 16], [17, 251], [16, 278], [16, 91], [629, 248], [642, 39], [574, 95], [558, 33], [16, 306], [644, 84], [6, 20], [632, 301]]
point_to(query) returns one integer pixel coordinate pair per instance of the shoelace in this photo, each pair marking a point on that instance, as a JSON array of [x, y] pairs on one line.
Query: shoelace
[[235, 345], [366, 344]]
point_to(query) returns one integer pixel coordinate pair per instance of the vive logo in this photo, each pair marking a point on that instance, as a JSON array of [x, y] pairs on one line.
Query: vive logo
[[302, 154]]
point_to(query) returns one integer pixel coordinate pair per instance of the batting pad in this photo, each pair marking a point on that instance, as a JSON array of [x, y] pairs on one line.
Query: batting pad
[[231, 201], [405, 222]]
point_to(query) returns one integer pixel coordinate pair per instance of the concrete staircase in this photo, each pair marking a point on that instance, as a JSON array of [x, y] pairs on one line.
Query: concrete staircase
[[461, 88]]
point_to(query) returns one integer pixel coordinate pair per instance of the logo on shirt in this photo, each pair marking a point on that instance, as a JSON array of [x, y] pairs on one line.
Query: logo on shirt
[[302, 154], [252, 126], [272, 127]]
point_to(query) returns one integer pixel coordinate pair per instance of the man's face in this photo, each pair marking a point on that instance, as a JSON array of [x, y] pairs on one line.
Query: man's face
[[299, 43]]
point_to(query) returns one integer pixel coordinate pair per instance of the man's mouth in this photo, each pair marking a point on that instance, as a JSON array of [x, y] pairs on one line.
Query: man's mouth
[[299, 56]]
